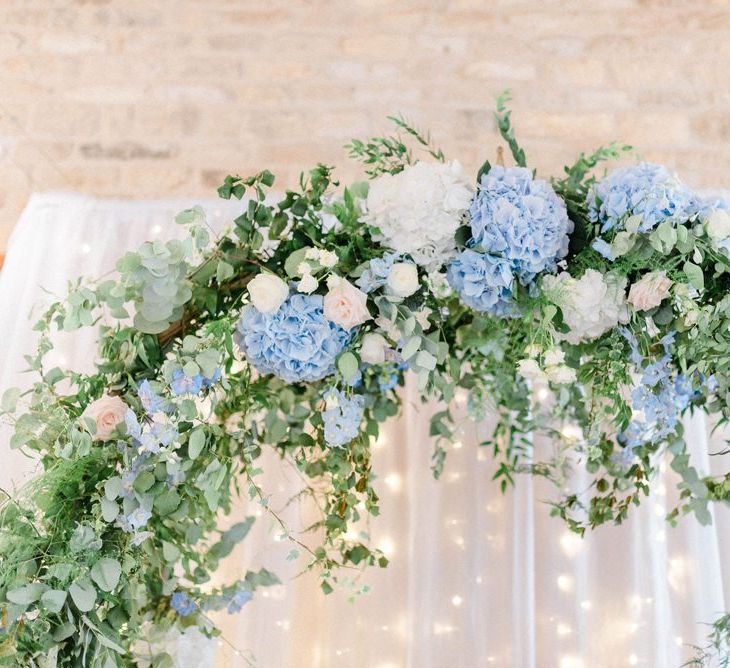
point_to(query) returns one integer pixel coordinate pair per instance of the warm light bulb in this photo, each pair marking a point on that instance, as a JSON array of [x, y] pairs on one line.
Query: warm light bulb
[[456, 601], [565, 583], [386, 546], [570, 543], [586, 605], [633, 659], [564, 630]]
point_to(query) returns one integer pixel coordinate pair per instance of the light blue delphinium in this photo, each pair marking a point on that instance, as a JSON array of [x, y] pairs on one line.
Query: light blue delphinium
[[342, 418], [376, 274], [183, 384], [483, 282], [238, 600], [182, 604], [646, 190], [521, 219], [296, 343], [151, 402], [151, 436]]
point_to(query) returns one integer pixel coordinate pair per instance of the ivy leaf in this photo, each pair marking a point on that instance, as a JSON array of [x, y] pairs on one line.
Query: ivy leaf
[[106, 573], [224, 271]]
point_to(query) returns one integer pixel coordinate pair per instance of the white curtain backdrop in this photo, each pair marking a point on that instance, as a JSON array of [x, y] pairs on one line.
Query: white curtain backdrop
[[476, 579]]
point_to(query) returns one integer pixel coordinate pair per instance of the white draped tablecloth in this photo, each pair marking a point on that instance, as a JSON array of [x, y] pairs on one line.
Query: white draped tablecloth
[[476, 578]]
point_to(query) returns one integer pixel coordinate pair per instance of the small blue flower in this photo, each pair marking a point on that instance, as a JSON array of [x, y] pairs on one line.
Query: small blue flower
[[388, 379], [520, 219], [603, 248], [646, 190], [151, 402], [183, 604], [184, 384], [238, 600], [215, 378], [296, 343], [138, 518], [342, 419], [376, 274], [483, 282]]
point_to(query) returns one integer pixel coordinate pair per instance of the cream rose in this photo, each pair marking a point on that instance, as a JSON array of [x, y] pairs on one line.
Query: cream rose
[[106, 412], [718, 225], [344, 304], [372, 349], [650, 291], [403, 279], [267, 292], [308, 284]]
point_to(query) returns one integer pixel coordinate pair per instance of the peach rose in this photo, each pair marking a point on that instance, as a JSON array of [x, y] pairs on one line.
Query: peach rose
[[344, 304], [649, 291], [107, 413]]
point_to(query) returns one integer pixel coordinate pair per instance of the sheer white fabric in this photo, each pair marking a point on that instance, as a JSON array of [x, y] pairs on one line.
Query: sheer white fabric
[[477, 578]]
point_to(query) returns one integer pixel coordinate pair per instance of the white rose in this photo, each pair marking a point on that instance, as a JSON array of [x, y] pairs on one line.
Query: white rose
[[718, 225], [328, 259], [403, 279], [591, 305], [106, 412], [530, 370], [419, 209], [650, 291], [372, 349], [308, 284], [344, 304], [267, 292], [554, 356], [561, 374]]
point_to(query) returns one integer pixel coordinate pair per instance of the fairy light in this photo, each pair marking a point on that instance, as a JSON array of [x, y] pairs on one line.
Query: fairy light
[[85, 249], [456, 601], [586, 605], [659, 510], [156, 229], [678, 641], [542, 394], [570, 661], [394, 482], [442, 629], [570, 543], [387, 546], [633, 659], [565, 583], [571, 433], [457, 445], [563, 630]]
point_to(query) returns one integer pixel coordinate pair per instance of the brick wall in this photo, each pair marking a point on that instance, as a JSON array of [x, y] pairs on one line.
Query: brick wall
[[138, 98]]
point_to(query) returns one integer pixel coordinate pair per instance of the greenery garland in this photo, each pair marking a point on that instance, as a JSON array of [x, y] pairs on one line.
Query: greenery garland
[[198, 373]]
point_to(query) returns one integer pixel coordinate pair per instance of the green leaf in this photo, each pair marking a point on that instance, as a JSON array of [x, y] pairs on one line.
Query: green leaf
[[694, 275], [83, 594], [348, 366], [229, 539], [10, 400], [224, 271], [170, 552], [26, 594], [106, 573], [53, 600], [411, 348], [196, 442], [292, 263]]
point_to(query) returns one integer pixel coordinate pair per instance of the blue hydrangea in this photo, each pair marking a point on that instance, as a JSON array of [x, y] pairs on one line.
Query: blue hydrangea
[[182, 604], [296, 343], [484, 282], [521, 219], [238, 600], [646, 190], [343, 417], [376, 274]]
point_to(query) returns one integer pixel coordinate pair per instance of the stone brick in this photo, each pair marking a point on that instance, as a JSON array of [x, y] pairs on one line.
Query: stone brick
[[141, 99]]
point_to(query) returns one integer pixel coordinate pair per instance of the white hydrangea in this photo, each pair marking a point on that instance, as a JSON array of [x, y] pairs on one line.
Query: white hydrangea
[[419, 210], [591, 305]]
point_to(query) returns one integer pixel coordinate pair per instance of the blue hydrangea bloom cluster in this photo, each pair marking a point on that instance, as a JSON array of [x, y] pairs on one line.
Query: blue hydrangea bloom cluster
[[520, 219], [342, 420], [376, 273], [296, 343], [647, 190], [484, 282]]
